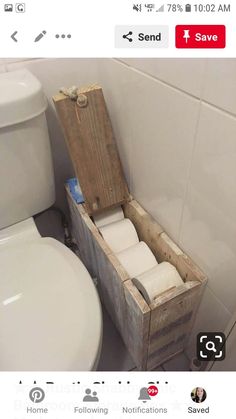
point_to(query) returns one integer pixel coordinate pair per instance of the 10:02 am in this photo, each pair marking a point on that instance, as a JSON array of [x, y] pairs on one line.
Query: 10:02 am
[[212, 8]]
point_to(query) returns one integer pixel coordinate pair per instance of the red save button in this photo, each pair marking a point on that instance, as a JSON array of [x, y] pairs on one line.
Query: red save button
[[200, 36]]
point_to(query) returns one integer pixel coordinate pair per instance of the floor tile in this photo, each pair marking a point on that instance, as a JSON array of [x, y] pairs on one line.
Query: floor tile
[[114, 355], [178, 363], [160, 368], [49, 224]]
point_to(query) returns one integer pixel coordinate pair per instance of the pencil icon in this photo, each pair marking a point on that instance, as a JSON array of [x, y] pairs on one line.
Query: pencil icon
[[40, 36]]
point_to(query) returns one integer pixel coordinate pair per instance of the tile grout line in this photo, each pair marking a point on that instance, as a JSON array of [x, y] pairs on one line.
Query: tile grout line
[[156, 79], [7, 68], [188, 180], [219, 301]]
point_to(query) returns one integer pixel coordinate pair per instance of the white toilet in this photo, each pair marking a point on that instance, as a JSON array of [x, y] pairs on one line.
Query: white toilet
[[50, 313]]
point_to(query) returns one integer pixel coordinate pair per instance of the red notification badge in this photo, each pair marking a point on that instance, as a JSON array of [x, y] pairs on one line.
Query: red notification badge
[[152, 391]]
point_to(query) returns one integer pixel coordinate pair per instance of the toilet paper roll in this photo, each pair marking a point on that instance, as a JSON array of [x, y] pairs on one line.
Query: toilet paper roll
[[108, 217], [119, 235], [157, 280], [137, 259]]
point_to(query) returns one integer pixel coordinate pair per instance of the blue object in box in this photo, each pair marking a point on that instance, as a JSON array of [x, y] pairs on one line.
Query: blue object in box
[[75, 190]]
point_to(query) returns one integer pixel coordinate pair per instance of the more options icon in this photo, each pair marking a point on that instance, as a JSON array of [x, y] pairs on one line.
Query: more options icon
[[211, 346]]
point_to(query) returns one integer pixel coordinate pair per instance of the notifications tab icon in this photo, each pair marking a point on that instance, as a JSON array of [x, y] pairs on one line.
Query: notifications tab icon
[[200, 36]]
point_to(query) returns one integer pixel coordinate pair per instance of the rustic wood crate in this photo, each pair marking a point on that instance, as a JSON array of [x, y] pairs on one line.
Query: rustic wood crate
[[152, 333]]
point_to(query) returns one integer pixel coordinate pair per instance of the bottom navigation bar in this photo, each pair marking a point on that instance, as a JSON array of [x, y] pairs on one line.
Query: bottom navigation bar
[[116, 394]]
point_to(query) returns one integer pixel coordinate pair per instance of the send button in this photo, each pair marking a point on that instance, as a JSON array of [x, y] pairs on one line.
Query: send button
[[141, 37]]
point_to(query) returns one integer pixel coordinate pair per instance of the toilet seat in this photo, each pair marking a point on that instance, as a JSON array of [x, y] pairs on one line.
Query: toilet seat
[[50, 313]]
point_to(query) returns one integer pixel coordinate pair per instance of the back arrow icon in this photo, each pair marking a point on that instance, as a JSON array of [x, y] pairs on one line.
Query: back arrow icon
[[13, 36]]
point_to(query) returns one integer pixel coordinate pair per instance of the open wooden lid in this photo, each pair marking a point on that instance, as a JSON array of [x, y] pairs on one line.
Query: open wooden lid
[[92, 147]]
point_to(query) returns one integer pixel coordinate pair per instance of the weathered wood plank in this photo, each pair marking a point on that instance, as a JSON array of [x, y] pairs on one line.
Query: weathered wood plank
[[171, 323], [91, 144], [137, 325], [82, 234], [147, 228]]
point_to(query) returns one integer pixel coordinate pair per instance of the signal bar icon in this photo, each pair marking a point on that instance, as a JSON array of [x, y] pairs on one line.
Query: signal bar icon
[[161, 9]]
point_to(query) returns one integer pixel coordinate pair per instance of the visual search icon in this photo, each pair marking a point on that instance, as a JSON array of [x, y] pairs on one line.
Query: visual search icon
[[211, 346]]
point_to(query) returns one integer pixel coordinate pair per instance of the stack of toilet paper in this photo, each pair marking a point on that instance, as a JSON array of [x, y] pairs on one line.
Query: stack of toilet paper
[[151, 278]]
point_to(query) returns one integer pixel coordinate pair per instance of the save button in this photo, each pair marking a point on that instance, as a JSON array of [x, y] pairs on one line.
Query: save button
[[200, 36]]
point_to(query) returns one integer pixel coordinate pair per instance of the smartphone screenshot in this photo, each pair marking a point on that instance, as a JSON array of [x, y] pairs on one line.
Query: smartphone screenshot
[[117, 209]]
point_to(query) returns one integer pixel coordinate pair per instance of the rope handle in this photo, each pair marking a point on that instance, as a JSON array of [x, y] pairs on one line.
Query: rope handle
[[74, 94]]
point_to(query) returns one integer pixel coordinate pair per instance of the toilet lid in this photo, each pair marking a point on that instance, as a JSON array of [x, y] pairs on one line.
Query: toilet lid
[[50, 314]]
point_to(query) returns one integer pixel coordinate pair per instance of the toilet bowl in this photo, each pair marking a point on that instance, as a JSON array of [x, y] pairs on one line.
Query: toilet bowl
[[50, 313]]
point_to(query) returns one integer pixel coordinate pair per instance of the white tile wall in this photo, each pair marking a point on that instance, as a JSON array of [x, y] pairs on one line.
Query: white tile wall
[[212, 317], [171, 144], [6, 61], [157, 125], [185, 74], [220, 84], [178, 154], [209, 225]]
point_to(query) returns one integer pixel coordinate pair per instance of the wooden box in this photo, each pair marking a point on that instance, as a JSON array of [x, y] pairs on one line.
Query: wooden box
[[152, 333]]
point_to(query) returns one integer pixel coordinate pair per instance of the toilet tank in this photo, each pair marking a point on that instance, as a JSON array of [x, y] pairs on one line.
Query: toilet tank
[[26, 171]]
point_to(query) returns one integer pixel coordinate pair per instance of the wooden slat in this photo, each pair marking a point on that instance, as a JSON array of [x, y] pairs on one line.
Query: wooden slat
[[111, 277], [147, 228], [189, 271], [90, 140], [137, 325], [171, 323], [82, 234]]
